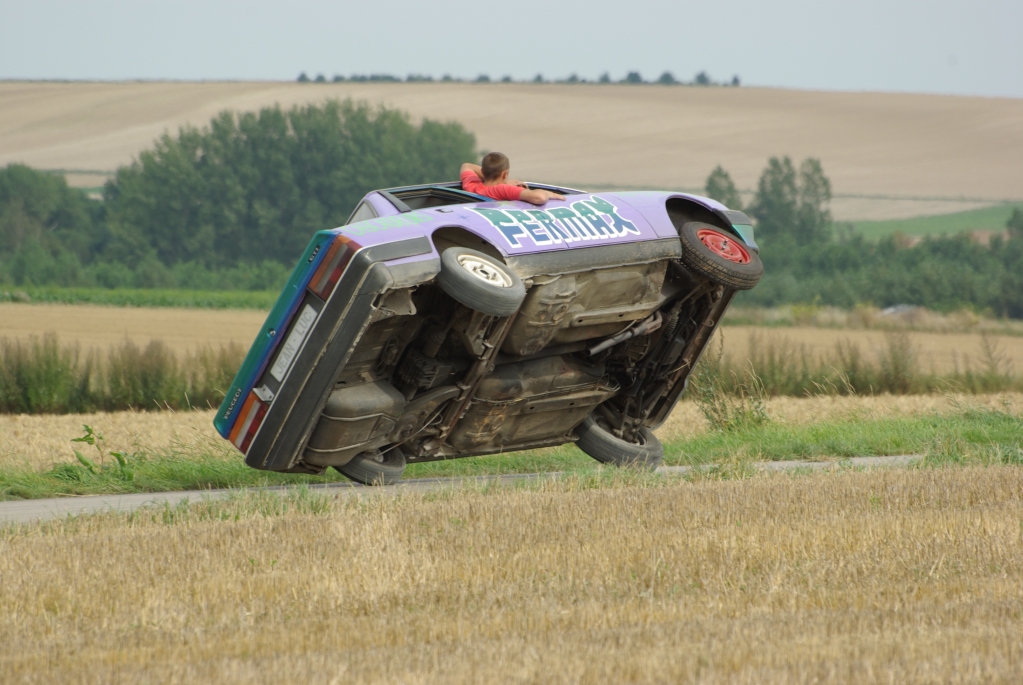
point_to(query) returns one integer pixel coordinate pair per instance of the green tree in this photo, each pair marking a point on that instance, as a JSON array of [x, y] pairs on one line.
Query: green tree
[[720, 187], [1015, 224], [792, 207], [776, 202], [47, 230], [813, 219], [255, 186], [667, 79], [633, 77]]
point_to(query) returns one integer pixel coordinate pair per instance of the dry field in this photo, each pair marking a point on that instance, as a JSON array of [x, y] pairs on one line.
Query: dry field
[[40, 441], [872, 144], [184, 330], [910, 576], [101, 327]]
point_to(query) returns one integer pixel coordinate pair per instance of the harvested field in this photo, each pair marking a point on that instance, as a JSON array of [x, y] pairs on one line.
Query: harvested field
[[910, 576], [40, 441], [182, 330], [921, 152]]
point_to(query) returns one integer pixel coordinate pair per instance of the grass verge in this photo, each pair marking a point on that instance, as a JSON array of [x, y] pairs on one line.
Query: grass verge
[[966, 436]]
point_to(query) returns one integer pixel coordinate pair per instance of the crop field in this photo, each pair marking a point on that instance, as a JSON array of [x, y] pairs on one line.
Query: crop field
[[906, 576], [985, 221], [888, 155], [102, 327], [183, 330]]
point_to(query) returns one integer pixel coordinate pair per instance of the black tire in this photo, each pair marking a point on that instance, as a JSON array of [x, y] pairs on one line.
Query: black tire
[[375, 468], [480, 282], [700, 259], [603, 446]]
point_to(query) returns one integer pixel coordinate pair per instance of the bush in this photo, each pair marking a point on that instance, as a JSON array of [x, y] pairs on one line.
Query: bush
[[776, 366], [42, 376]]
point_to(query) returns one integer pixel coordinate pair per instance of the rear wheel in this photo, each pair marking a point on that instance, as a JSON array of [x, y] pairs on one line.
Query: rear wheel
[[719, 256], [375, 468], [600, 443], [480, 282]]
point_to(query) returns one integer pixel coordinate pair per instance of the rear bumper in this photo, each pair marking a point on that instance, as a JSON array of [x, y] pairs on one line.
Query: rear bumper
[[298, 399]]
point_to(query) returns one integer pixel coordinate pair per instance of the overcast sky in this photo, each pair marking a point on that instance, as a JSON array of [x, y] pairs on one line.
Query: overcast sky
[[968, 47]]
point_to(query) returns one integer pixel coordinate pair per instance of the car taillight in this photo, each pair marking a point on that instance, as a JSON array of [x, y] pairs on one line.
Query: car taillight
[[248, 422], [333, 265]]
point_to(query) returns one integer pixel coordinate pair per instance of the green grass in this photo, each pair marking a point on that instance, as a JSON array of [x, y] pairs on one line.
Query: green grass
[[136, 297], [197, 468], [968, 436], [960, 437], [984, 219]]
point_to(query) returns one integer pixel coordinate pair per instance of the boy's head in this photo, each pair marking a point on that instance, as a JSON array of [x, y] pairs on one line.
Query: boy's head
[[494, 166]]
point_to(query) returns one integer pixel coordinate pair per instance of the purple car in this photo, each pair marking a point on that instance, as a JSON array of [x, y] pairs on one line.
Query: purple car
[[438, 324]]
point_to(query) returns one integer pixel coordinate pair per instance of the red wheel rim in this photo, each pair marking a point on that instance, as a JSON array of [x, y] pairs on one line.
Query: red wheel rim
[[723, 245]]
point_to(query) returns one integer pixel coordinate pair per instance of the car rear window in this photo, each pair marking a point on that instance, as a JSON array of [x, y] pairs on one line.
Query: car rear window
[[364, 212]]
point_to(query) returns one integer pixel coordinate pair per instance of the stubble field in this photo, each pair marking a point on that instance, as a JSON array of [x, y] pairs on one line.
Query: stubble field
[[182, 330], [909, 576]]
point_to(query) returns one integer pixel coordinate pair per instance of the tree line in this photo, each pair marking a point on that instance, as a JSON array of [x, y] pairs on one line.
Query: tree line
[[667, 78]]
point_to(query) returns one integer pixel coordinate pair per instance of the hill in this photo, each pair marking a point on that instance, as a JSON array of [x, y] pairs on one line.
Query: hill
[[888, 155]]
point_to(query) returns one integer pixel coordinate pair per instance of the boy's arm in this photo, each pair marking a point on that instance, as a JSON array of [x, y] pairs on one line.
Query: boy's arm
[[474, 168], [539, 197]]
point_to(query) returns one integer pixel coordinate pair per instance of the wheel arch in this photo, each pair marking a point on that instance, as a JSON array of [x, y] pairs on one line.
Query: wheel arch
[[454, 235], [682, 209]]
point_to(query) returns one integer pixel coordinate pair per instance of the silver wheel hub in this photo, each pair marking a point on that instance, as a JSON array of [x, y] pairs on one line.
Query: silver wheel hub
[[485, 271]]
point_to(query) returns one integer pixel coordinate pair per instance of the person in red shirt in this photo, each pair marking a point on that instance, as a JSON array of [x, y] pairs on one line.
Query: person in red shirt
[[491, 180]]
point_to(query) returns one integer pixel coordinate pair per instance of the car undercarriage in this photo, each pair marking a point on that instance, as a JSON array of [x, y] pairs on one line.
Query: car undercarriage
[[436, 379], [441, 345]]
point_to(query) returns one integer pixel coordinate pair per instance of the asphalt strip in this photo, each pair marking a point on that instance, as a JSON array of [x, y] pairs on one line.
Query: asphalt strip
[[28, 511]]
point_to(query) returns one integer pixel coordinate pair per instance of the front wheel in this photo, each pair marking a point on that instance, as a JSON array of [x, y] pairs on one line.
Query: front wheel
[[719, 256], [601, 444]]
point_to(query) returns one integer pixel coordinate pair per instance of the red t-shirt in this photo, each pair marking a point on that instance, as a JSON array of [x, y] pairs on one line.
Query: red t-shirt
[[471, 183]]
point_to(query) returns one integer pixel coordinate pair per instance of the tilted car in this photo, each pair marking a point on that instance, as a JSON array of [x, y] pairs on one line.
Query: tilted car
[[438, 324]]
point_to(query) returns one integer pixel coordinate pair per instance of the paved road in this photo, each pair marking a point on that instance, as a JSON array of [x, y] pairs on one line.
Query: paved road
[[27, 511]]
